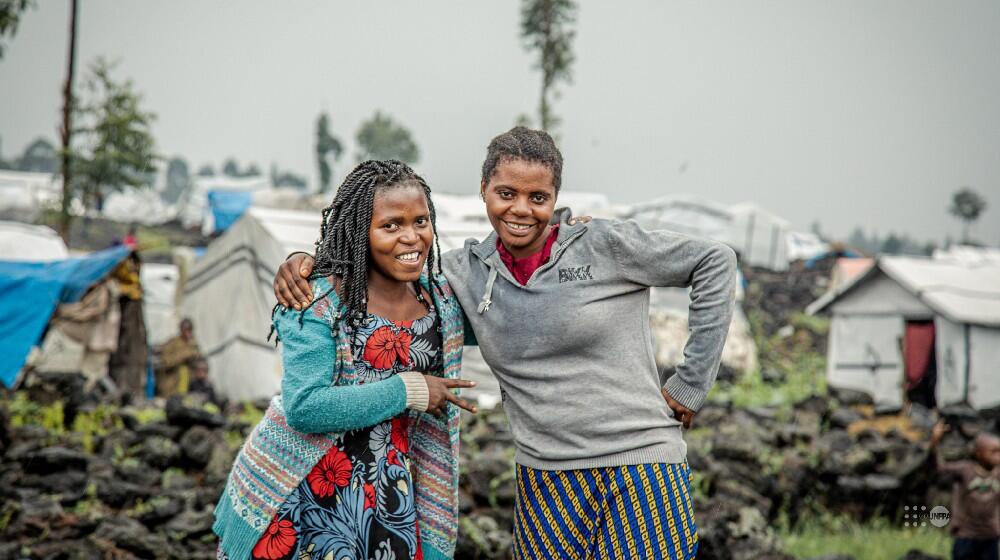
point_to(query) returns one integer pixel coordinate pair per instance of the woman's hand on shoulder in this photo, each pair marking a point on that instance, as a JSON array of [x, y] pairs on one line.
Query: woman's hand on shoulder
[[291, 283]]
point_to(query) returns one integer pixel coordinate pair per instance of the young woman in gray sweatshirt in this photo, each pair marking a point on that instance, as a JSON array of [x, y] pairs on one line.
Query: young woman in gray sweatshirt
[[601, 462]]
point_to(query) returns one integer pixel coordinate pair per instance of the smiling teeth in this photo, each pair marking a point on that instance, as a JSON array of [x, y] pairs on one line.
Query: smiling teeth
[[518, 226], [409, 257]]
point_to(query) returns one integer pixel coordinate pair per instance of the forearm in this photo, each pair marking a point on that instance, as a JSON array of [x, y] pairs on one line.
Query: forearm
[[343, 408], [709, 316], [670, 259], [313, 400]]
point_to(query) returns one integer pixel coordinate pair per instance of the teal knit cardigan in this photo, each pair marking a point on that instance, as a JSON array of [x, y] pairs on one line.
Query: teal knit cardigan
[[320, 399]]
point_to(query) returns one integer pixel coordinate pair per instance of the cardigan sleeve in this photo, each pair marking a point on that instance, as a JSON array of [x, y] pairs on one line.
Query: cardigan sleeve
[[313, 404]]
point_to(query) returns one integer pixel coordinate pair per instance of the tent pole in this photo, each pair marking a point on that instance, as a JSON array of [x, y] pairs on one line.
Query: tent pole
[[968, 362]]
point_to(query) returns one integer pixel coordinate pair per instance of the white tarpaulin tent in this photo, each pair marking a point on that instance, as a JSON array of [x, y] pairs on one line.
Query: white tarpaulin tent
[[26, 242], [760, 237], [870, 316], [803, 246], [159, 282], [229, 296], [28, 193], [142, 206]]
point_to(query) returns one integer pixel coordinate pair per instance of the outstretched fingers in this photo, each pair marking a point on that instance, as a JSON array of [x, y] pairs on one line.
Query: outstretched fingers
[[462, 403]]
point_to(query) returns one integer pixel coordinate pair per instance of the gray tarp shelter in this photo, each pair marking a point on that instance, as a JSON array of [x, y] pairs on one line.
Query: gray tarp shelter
[[871, 315]]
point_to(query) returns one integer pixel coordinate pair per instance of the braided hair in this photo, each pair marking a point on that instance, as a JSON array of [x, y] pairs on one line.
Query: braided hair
[[342, 248], [524, 144]]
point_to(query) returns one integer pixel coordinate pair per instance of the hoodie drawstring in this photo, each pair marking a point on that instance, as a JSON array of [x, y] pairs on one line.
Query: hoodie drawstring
[[484, 304]]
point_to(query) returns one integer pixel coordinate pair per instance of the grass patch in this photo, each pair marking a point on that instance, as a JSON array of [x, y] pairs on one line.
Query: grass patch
[[803, 370], [815, 323], [25, 412], [149, 414], [879, 539], [751, 390], [250, 415]]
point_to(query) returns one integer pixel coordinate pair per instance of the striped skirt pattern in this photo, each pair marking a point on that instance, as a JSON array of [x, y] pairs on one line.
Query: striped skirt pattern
[[634, 511]]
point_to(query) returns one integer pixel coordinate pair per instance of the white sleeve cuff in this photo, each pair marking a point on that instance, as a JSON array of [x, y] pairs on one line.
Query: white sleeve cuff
[[417, 394]]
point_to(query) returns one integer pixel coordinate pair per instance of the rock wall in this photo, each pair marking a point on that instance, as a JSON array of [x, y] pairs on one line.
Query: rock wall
[[80, 478]]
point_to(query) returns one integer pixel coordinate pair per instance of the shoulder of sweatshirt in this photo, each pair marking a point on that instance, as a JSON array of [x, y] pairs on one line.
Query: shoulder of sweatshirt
[[619, 229], [457, 260]]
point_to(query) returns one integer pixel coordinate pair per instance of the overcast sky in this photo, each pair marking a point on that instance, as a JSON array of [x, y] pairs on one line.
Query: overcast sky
[[846, 112]]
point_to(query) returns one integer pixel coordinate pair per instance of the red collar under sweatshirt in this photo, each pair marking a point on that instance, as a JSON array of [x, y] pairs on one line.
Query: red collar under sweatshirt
[[523, 268]]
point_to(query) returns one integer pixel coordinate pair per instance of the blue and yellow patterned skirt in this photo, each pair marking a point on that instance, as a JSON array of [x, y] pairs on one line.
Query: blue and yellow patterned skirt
[[635, 511]]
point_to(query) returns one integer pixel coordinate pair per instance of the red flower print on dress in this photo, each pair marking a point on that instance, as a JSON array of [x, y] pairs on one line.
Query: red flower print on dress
[[333, 470], [369, 495], [401, 434], [277, 541], [385, 347]]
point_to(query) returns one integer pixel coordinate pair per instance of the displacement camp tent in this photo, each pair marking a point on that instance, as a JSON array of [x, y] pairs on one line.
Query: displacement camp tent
[[760, 237], [26, 242], [30, 293], [24, 194], [909, 321], [159, 283]]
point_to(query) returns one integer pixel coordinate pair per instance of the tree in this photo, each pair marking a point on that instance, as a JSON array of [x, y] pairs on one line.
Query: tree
[[966, 205], [117, 149], [892, 245], [178, 180], [286, 179], [66, 132], [206, 171], [40, 156], [327, 146], [817, 229], [230, 168], [4, 164], [381, 138], [11, 12], [546, 30]]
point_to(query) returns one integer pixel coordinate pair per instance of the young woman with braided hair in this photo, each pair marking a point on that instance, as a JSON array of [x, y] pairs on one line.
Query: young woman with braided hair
[[357, 458], [560, 311]]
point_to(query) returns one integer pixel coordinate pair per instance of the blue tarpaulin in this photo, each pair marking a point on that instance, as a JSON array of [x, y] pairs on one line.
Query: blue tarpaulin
[[228, 206], [30, 292]]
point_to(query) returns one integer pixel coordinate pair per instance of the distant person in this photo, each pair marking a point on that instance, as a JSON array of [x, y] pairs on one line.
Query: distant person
[[200, 383], [177, 357], [975, 504], [130, 240]]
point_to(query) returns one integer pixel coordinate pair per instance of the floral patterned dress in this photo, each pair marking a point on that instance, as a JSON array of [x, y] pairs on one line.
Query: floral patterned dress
[[357, 503]]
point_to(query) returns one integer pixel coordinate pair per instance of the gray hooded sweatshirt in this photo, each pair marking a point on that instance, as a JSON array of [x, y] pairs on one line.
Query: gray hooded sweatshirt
[[572, 349]]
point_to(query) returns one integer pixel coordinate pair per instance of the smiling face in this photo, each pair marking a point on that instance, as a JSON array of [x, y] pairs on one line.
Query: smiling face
[[400, 234], [520, 198]]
